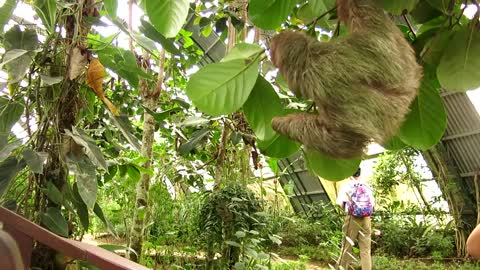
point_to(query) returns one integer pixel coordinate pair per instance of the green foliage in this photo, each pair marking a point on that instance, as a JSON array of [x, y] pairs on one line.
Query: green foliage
[[317, 236], [55, 221], [111, 7], [262, 105], [425, 124], [222, 88], [391, 263], [230, 222], [404, 236], [46, 10], [331, 169], [6, 10], [459, 67], [18, 39], [270, 14], [167, 16], [291, 265], [397, 7], [278, 147]]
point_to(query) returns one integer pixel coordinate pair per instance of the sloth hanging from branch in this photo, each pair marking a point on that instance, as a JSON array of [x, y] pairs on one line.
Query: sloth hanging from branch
[[362, 84]]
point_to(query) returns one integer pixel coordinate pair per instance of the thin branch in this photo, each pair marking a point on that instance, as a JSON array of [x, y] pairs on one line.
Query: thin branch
[[321, 16], [409, 25], [461, 13]]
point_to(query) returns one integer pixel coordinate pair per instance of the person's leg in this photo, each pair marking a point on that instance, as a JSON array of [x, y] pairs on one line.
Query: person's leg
[[365, 242], [350, 229]]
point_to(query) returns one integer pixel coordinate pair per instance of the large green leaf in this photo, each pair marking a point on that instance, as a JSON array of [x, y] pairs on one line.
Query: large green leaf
[[441, 5], [243, 51], [222, 88], [12, 55], [7, 149], [124, 63], [435, 47], [91, 149], [149, 31], [86, 177], [46, 10], [397, 6], [125, 126], [269, 14], [55, 221], [35, 160], [53, 193], [9, 168], [15, 38], [424, 12], [425, 124], [311, 10], [82, 210], [394, 144], [6, 12], [161, 116], [459, 69], [197, 137], [261, 106], [27, 40], [98, 211], [111, 7], [168, 16], [278, 147], [329, 168], [9, 115]]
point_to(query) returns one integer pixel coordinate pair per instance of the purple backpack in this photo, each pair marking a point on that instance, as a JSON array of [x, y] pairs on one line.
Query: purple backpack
[[360, 201]]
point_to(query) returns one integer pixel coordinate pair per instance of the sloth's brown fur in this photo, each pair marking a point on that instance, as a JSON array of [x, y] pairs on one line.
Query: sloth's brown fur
[[362, 84]]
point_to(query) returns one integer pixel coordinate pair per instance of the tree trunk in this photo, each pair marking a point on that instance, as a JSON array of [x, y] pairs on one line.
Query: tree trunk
[[450, 184], [150, 100]]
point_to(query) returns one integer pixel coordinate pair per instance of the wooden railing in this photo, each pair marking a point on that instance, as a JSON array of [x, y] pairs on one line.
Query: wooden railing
[[25, 232]]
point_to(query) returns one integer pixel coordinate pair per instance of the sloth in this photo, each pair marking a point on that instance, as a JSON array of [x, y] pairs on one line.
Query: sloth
[[362, 84]]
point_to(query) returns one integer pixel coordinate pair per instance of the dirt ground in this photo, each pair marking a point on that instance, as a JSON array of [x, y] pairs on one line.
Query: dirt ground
[[108, 239]]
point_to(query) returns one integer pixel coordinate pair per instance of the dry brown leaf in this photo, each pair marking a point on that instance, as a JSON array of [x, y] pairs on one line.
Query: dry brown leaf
[[77, 64], [95, 75]]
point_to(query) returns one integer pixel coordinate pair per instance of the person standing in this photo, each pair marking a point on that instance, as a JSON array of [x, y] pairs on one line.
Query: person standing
[[356, 199]]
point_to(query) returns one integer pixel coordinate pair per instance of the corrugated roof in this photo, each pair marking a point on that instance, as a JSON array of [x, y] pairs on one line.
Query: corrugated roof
[[462, 136]]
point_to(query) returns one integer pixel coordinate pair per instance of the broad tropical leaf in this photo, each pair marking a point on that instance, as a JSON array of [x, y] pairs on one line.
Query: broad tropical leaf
[[99, 212], [111, 7], [35, 160], [168, 16], [86, 179], [269, 14], [6, 150], [397, 7], [6, 12], [394, 144], [55, 221], [329, 168], [222, 88], [91, 149], [46, 10], [459, 69], [278, 147], [261, 106], [425, 124], [53, 193], [9, 115], [149, 31], [26, 40], [197, 137], [9, 168]]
